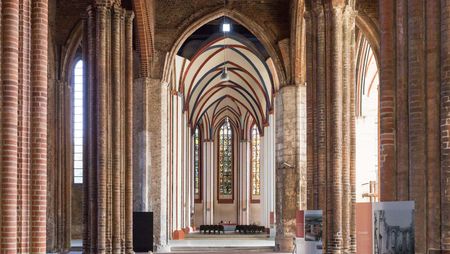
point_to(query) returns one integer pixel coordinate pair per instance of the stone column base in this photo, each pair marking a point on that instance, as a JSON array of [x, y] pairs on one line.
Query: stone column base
[[284, 243]]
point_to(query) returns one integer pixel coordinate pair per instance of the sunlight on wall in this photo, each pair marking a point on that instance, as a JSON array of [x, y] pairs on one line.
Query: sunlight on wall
[[367, 126]]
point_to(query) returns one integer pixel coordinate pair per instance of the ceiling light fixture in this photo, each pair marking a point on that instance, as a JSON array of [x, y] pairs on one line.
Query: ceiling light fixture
[[226, 27], [224, 75]]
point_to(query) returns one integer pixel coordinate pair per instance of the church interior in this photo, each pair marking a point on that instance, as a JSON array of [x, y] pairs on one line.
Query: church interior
[[225, 126]]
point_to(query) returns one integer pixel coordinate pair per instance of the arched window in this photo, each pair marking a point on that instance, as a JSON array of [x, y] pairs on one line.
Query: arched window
[[197, 166], [255, 164], [77, 119], [225, 168]]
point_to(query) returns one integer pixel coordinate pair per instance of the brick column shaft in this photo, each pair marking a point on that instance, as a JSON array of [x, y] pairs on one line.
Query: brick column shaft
[[23, 132], [10, 107], [108, 173], [331, 115], [129, 132], [39, 125], [287, 175], [116, 130], [23, 145]]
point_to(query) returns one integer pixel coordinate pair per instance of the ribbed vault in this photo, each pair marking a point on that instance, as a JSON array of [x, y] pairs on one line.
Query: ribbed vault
[[244, 97]]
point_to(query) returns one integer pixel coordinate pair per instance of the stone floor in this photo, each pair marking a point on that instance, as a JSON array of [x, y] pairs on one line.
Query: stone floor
[[214, 246]]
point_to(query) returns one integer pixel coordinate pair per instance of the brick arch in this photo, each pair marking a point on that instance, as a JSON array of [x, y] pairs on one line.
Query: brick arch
[[372, 33], [145, 32], [189, 27], [71, 46]]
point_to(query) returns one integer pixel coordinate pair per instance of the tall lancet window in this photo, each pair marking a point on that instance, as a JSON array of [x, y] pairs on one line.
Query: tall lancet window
[[225, 167], [255, 163], [197, 166], [77, 119]]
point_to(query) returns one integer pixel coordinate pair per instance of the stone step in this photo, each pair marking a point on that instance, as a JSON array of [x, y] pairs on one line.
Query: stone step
[[217, 250], [237, 236]]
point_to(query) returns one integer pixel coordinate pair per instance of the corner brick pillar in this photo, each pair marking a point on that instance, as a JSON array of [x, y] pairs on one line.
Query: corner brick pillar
[[149, 186], [23, 126], [331, 165], [141, 146], [290, 163], [108, 126], [59, 171]]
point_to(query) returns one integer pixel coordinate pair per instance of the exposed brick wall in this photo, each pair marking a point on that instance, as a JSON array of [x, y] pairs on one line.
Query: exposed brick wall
[[173, 14], [387, 103], [432, 85], [409, 114], [417, 118], [445, 124]]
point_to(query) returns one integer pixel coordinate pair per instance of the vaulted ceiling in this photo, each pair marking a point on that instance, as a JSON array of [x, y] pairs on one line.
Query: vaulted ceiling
[[245, 96]]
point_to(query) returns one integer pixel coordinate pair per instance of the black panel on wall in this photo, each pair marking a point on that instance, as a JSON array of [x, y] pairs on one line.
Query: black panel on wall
[[142, 231]]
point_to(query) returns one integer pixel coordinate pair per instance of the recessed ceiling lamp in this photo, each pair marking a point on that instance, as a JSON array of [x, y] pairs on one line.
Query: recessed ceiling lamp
[[226, 27]]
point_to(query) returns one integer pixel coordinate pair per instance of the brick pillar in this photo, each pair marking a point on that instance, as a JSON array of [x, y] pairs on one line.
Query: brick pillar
[[334, 212], [23, 145], [10, 107], [108, 128], [157, 101], [128, 133], [445, 124], [23, 128], [59, 169], [141, 143], [117, 146], [289, 165], [331, 166], [39, 41]]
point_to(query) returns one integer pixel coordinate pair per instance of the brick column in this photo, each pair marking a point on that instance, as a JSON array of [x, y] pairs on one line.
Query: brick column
[[157, 115], [10, 107], [128, 132], [289, 166], [141, 143], [117, 147], [23, 128], [108, 168], [334, 212], [331, 167], [39, 43], [59, 170]]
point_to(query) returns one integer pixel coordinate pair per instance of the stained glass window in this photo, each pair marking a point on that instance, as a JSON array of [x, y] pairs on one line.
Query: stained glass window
[[255, 161], [77, 112], [226, 159], [197, 165]]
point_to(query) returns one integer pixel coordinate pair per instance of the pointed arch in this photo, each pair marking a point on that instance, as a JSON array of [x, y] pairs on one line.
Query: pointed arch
[[270, 44]]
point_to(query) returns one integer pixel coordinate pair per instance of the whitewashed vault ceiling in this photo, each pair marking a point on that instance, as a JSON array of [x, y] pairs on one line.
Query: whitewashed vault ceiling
[[245, 97]]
